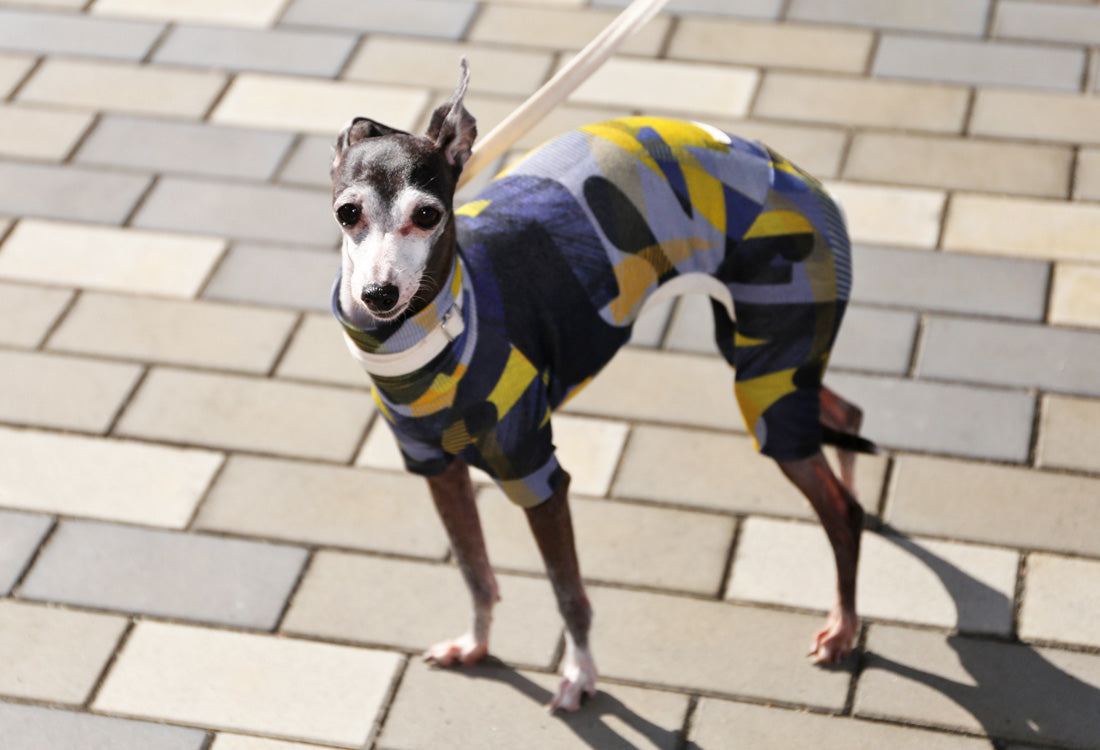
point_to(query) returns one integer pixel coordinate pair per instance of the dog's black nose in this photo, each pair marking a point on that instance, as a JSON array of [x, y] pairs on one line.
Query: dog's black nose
[[380, 299]]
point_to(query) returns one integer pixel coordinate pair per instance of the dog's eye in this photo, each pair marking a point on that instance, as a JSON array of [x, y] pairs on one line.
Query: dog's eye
[[348, 214], [426, 217]]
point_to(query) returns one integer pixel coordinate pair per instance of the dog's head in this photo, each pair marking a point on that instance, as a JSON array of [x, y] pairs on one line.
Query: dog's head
[[392, 194]]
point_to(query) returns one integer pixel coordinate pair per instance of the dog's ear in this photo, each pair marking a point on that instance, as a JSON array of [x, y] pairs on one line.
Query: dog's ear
[[357, 130], [453, 128]]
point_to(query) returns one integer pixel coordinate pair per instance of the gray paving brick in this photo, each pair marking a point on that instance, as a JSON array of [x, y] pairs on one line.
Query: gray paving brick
[[1012, 354], [319, 354], [951, 282], [20, 535], [258, 212], [749, 8], [75, 34], [165, 574], [946, 16], [309, 164], [1055, 22], [435, 18], [28, 312], [312, 53], [269, 275], [979, 62], [69, 193], [39, 728], [183, 147], [940, 417]]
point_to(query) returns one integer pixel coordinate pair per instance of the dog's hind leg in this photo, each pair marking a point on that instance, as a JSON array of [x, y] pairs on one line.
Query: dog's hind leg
[[453, 496], [842, 416]]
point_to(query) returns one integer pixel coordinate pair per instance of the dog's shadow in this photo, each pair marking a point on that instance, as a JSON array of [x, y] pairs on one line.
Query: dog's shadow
[[1014, 692]]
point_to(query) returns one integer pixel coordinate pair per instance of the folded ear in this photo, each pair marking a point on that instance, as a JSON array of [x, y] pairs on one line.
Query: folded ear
[[357, 130], [453, 128]]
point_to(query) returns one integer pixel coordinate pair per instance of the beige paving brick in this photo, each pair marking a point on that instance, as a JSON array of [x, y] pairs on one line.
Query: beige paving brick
[[718, 723], [1061, 600], [318, 352], [434, 64], [912, 580], [1075, 296], [30, 132], [1022, 227], [12, 69], [53, 654], [712, 646], [885, 215], [246, 413], [858, 101], [559, 28], [1086, 184], [1002, 505], [620, 543], [48, 390], [770, 44], [1036, 115], [113, 480], [315, 504], [818, 150], [204, 334], [257, 13], [28, 312], [720, 471], [97, 257], [412, 606], [314, 105], [460, 701], [1069, 429], [274, 686], [490, 111], [123, 87], [225, 741], [967, 164], [666, 85]]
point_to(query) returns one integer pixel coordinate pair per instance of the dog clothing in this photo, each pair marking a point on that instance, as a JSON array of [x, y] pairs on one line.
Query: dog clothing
[[555, 260]]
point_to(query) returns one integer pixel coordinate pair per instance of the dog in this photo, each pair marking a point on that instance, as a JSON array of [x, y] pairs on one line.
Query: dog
[[476, 323]]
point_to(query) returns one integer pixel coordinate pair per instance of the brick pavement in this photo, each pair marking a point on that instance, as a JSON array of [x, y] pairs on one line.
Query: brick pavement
[[205, 539]]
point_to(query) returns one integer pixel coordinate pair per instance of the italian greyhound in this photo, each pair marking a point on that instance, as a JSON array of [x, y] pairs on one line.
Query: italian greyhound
[[476, 323]]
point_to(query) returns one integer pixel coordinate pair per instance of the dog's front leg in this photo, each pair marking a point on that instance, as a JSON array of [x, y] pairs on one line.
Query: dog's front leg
[[454, 500], [553, 529]]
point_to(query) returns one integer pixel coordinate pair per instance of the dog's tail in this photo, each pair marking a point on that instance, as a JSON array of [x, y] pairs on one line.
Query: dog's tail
[[847, 441]]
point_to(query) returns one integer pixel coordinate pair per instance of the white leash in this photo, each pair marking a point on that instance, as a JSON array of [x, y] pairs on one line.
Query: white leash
[[539, 104]]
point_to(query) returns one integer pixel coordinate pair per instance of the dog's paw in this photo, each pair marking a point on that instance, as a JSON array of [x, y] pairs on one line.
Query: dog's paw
[[578, 680], [834, 642], [466, 650]]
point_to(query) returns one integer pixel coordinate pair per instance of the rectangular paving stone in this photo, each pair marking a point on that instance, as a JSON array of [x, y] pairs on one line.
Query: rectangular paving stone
[[35, 133], [748, 8], [943, 16], [68, 193], [13, 67], [248, 211], [1067, 433], [711, 646], [272, 275], [621, 543], [491, 110], [1075, 296], [226, 741], [1086, 182], [177, 147], [234, 12], [319, 353], [244, 413], [290, 51], [967, 164], [458, 700], [52, 654], [1005, 690], [28, 312], [435, 18], [123, 87], [1011, 354], [20, 535], [109, 479], [203, 334], [166, 574], [63, 392], [816, 149], [950, 282], [559, 28], [40, 32], [295, 689], [888, 215], [310, 162], [41, 728], [1030, 115], [1052, 22], [717, 723], [771, 45], [412, 606], [857, 101], [948, 585], [994, 504], [1022, 227], [979, 62], [326, 505], [940, 417], [1061, 600], [108, 258]]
